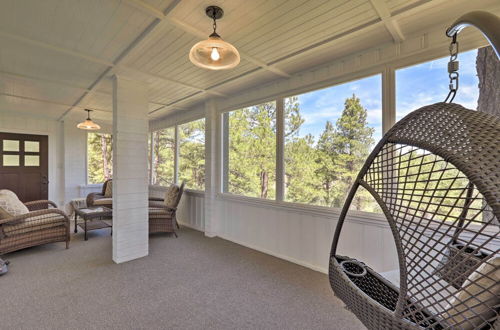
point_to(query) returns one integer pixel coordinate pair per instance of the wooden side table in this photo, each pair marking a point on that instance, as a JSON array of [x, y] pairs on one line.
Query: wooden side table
[[93, 218]]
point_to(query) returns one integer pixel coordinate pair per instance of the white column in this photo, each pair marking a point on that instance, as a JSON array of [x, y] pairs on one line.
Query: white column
[[280, 149], [211, 173], [388, 99], [130, 170]]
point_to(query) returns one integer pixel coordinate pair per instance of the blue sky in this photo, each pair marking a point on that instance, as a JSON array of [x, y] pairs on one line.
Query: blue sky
[[416, 86]]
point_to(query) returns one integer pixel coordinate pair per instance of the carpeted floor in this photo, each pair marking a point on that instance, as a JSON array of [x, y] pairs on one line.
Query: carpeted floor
[[191, 282]]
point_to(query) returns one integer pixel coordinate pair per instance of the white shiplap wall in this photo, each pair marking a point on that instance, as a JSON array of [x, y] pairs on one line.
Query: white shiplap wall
[[296, 234]]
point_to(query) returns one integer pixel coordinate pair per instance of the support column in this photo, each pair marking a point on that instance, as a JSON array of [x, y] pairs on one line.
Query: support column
[[211, 173], [388, 99], [130, 170]]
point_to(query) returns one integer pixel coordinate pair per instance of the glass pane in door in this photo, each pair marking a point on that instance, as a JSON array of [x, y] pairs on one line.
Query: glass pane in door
[[31, 146], [10, 145]]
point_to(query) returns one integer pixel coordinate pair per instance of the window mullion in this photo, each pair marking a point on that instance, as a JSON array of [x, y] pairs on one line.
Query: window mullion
[[280, 150], [176, 155]]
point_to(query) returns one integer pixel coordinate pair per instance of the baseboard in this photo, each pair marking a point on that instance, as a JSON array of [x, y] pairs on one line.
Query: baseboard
[[278, 255], [253, 247], [185, 224]]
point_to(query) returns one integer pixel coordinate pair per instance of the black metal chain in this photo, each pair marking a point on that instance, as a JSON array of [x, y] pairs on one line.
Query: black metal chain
[[453, 70], [215, 23]]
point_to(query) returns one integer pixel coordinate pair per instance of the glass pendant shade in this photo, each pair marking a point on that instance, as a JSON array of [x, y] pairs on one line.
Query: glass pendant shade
[[88, 124], [214, 54]]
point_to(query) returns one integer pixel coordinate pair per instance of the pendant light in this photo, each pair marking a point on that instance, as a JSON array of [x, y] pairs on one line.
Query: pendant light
[[88, 124], [214, 53]]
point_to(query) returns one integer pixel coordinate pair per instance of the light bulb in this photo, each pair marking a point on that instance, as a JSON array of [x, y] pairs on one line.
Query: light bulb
[[214, 55]]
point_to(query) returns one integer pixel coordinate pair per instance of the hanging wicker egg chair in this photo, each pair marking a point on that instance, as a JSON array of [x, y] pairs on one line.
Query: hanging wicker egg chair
[[436, 176]]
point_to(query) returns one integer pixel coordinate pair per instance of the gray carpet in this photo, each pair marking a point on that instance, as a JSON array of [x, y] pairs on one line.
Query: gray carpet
[[191, 282]]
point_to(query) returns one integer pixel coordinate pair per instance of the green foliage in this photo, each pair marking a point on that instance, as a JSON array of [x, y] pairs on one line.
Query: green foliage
[[252, 151], [192, 154], [322, 172], [99, 157], [163, 145]]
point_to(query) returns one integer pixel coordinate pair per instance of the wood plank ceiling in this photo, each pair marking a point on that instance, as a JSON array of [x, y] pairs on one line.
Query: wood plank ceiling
[[58, 56]]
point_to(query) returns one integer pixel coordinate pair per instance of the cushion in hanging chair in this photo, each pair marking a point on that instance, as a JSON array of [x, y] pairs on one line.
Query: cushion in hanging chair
[[469, 307]]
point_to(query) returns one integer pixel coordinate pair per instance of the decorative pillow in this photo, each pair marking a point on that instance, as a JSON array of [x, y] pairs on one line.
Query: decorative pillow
[[171, 196], [11, 206], [109, 189], [474, 302], [8, 192]]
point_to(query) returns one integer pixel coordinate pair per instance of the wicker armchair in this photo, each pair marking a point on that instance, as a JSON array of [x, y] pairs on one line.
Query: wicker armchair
[[45, 223], [162, 217], [100, 199]]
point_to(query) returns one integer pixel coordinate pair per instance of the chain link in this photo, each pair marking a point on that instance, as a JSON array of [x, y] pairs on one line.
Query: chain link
[[453, 67]]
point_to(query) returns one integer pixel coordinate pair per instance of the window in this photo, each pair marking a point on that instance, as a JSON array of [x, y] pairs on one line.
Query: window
[[163, 146], [250, 146], [427, 83], [192, 154], [329, 133], [99, 157]]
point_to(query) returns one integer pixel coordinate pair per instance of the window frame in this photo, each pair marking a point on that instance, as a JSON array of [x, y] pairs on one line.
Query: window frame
[[176, 152], [87, 183], [387, 75]]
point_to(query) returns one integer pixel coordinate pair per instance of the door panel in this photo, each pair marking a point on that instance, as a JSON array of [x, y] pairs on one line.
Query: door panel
[[24, 165]]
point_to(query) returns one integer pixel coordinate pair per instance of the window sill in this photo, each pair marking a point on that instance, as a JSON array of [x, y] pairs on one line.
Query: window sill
[[194, 192], [314, 210]]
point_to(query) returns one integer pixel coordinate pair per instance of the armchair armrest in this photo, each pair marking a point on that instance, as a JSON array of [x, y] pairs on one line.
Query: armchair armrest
[[23, 217], [40, 205], [162, 206], [92, 197]]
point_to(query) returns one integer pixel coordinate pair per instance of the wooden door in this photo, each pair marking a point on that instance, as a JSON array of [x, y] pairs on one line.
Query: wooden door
[[24, 165]]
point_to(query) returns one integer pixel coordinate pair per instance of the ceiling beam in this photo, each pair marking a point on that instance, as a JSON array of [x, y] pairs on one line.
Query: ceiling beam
[[136, 42], [169, 80], [50, 102], [390, 23], [65, 84]]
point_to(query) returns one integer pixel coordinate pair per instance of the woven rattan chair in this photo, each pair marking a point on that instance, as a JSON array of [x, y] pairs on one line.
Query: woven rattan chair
[[45, 223], [162, 218], [436, 176], [99, 199]]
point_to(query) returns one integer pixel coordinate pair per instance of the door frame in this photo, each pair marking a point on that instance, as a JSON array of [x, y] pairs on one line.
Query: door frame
[[54, 191]]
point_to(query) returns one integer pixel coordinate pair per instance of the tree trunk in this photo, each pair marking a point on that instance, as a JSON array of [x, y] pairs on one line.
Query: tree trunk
[[104, 149], [264, 183], [488, 73]]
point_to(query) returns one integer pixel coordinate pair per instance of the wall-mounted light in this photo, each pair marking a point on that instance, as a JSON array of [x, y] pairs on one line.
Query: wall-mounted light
[[214, 53], [88, 124]]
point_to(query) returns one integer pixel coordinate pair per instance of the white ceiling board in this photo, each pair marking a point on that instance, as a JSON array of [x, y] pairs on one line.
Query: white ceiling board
[[38, 89], [337, 49], [398, 5], [100, 28], [22, 58], [433, 15], [23, 106], [301, 27]]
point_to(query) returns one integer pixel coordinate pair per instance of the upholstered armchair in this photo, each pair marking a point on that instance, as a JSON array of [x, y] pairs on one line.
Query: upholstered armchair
[[30, 224], [104, 198], [162, 213]]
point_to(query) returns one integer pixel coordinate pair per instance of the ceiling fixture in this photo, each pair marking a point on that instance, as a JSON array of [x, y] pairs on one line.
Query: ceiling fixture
[[214, 53], [88, 124]]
